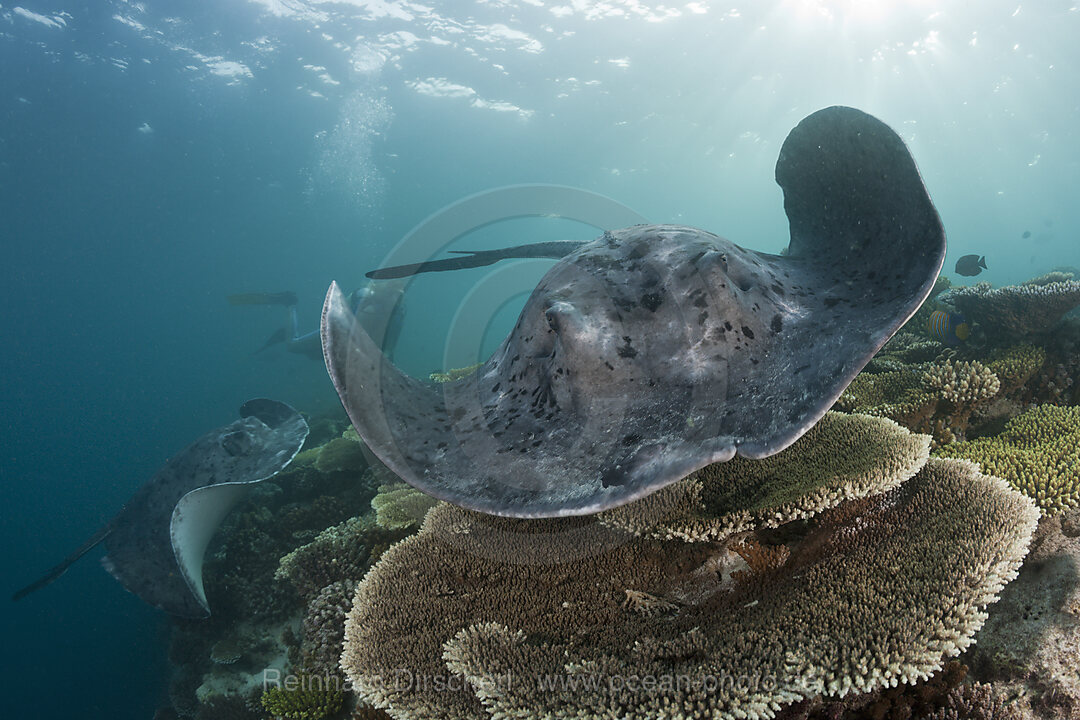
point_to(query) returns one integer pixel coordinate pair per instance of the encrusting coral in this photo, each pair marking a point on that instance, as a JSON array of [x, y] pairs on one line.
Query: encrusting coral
[[842, 457], [522, 618], [1038, 453], [1016, 311], [400, 506]]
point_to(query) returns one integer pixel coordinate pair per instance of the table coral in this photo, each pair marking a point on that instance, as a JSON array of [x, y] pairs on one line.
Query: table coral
[[519, 618], [1015, 311], [1031, 641], [400, 506], [840, 458], [1038, 453]]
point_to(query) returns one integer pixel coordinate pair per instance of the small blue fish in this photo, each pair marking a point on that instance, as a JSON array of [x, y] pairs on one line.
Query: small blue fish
[[948, 328]]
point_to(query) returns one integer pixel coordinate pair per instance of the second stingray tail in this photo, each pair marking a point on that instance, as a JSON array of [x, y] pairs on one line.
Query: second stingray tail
[[67, 562]]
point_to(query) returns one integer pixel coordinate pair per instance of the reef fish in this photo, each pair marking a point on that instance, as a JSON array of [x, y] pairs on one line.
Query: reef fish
[[655, 350], [970, 265], [157, 541], [948, 328]]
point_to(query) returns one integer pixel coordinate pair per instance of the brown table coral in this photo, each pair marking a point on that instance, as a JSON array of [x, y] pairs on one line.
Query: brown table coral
[[533, 618]]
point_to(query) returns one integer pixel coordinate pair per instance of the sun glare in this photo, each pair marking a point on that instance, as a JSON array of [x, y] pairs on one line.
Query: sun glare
[[853, 12]]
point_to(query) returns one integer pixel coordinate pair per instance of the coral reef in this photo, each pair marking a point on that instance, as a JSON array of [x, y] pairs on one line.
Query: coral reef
[[876, 591], [400, 506], [311, 699], [1030, 644], [1014, 366], [341, 553], [1038, 453], [840, 458], [324, 629], [1015, 311], [962, 387]]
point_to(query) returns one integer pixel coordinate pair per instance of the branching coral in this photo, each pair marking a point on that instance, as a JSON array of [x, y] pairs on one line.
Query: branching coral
[[1031, 641], [1014, 366], [530, 618], [324, 628], [400, 506], [963, 387], [343, 552], [1016, 311], [897, 395], [1038, 453], [840, 458], [311, 699]]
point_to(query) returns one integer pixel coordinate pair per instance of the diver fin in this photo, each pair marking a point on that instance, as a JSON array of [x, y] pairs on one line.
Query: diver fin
[[286, 298], [67, 562], [479, 258], [276, 339]]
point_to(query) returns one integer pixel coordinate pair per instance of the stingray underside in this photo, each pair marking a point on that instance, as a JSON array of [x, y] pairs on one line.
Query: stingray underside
[[157, 542], [655, 350]]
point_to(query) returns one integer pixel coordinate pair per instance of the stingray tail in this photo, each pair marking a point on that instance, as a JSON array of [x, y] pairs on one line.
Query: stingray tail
[[67, 562]]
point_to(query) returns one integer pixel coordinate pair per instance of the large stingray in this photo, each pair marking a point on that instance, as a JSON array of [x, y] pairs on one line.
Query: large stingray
[[655, 350], [157, 540]]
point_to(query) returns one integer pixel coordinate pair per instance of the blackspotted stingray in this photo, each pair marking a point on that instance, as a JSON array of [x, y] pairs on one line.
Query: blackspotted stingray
[[157, 541], [655, 350]]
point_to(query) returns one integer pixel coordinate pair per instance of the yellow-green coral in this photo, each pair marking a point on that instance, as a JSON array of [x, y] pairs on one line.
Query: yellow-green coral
[[307, 698], [840, 458], [453, 374], [341, 455], [400, 506], [1015, 365], [897, 395], [1038, 453]]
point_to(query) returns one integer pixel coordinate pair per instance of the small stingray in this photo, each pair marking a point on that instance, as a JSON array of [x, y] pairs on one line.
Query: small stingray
[[655, 350], [157, 541]]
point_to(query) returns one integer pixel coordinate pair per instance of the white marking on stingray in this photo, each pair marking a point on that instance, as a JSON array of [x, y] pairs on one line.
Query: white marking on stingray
[[195, 520]]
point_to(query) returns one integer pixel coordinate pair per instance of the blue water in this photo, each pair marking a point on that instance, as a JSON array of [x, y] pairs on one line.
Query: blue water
[[156, 157]]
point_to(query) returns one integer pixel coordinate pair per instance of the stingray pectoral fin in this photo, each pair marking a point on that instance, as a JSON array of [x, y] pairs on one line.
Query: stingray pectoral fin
[[67, 562], [375, 394], [195, 520]]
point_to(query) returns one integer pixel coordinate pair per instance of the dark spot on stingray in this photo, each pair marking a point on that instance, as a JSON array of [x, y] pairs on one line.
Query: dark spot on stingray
[[457, 414], [753, 361], [441, 446], [747, 332], [699, 299], [832, 301], [652, 301], [631, 439], [800, 369], [776, 324], [625, 350], [727, 325], [609, 365], [702, 317], [496, 388]]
